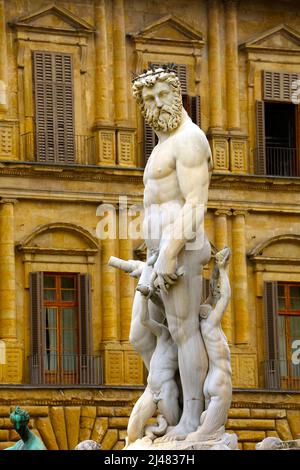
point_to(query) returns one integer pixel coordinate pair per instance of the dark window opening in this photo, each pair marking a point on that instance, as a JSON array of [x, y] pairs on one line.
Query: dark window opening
[[280, 139]]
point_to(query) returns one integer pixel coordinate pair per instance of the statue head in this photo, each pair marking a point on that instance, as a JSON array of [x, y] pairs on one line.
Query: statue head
[[19, 418], [158, 93]]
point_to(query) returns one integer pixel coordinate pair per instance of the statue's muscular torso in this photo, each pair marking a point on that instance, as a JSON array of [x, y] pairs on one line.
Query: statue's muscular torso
[[163, 196]]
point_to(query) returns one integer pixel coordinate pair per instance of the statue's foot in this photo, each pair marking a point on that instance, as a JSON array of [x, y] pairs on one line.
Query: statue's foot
[[176, 433], [200, 436]]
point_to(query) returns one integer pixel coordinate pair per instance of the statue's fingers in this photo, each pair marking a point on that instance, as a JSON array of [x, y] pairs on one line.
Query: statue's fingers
[[169, 280], [161, 283]]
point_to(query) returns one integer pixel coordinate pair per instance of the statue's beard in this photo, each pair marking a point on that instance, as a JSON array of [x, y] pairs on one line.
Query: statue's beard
[[165, 119]]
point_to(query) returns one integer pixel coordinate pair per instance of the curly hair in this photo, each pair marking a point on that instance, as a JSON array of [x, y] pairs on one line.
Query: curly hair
[[19, 415], [149, 79]]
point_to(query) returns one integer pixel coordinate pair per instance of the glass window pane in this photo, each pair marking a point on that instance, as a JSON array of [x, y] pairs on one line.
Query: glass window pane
[[69, 362], [281, 303], [68, 295], [69, 318], [281, 290], [295, 335], [69, 341], [295, 303], [282, 345], [49, 294], [50, 317], [295, 291], [50, 340], [49, 281], [50, 361], [67, 283]]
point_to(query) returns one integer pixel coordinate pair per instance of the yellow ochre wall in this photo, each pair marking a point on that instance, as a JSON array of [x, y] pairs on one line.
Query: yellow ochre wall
[[48, 212]]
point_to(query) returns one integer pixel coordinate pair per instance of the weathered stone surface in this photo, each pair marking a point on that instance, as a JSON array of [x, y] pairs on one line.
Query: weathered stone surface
[[239, 413], [110, 439], [87, 419], [5, 423], [100, 428], [4, 435], [119, 423], [45, 429], [249, 446], [293, 418], [72, 416], [4, 444], [57, 417], [268, 413], [119, 445], [126, 411], [250, 436], [122, 434], [283, 429], [5, 411], [272, 434], [105, 411], [250, 424], [13, 436], [38, 411]]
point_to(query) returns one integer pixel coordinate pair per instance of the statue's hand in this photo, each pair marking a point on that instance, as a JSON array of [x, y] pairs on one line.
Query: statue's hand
[[164, 272]]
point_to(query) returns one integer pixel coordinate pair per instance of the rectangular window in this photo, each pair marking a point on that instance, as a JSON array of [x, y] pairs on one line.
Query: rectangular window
[[54, 107], [282, 315], [277, 127], [61, 338], [60, 332]]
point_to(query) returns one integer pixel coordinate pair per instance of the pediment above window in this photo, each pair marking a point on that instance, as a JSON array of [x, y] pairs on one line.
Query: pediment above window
[[169, 30], [53, 19], [281, 249], [282, 39]]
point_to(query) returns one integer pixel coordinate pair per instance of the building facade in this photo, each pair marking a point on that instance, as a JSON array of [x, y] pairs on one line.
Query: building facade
[[72, 151]]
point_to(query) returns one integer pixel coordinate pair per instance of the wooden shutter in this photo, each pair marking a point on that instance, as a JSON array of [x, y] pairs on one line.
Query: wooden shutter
[[54, 108], [150, 140], [260, 156], [36, 326], [277, 86], [195, 109], [205, 289], [84, 302], [272, 370]]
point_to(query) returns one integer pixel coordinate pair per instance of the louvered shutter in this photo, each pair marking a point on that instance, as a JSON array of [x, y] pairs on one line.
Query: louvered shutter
[[36, 326], [205, 289], [150, 140], [260, 156], [54, 109], [195, 109], [85, 335], [272, 369], [277, 86]]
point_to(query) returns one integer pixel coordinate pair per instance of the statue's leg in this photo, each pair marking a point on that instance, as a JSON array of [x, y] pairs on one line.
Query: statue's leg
[[182, 308], [142, 411], [213, 424], [140, 337], [168, 404]]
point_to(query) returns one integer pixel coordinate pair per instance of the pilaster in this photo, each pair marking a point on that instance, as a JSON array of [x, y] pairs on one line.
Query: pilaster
[[3, 60], [221, 240], [101, 73], [240, 284], [120, 65]]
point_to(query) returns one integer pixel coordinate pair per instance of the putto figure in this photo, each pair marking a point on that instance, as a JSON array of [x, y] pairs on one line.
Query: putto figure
[[176, 179]]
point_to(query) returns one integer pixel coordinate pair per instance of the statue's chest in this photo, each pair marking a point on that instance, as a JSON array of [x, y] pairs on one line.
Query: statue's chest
[[160, 164]]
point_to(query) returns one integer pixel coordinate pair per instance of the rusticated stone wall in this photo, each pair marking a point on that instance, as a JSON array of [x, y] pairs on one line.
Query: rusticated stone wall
[[62, 418]]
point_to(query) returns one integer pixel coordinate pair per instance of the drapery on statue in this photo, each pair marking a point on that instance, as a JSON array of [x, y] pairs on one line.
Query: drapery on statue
[[166, 308], [28, 441]]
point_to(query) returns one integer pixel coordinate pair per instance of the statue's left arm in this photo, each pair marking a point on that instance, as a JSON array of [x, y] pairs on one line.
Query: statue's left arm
[[193, 166]]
